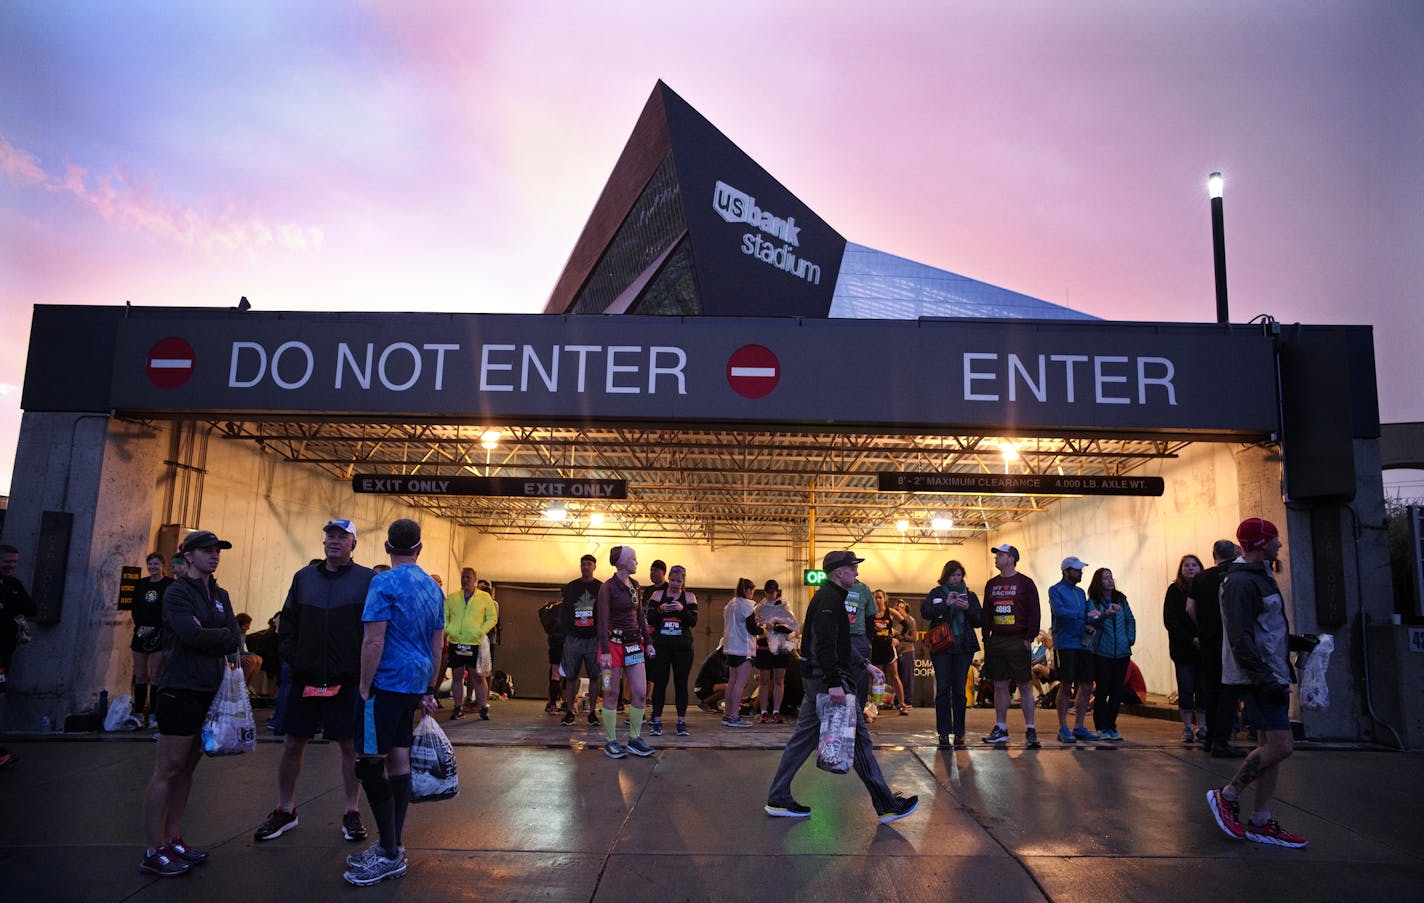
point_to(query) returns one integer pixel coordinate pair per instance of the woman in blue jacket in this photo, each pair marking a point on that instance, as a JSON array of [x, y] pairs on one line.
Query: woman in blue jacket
[[952, 602], [1117, 631]]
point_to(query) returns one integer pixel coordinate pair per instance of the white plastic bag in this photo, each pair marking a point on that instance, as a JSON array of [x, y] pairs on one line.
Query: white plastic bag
[[433, 774], [120, 707], [1314, 692], [836, 748], [229, 729]]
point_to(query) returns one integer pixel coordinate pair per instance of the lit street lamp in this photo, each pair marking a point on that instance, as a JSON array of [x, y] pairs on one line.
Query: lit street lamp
[[1218, 242]]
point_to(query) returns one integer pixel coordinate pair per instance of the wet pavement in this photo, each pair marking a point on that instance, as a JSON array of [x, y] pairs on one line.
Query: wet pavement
[[542, 814]]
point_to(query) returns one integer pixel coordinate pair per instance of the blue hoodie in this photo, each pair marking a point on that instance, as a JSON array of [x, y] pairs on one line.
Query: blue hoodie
[[1116, 632]]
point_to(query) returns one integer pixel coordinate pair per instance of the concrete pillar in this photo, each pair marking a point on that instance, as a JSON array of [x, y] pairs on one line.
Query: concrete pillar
[[104, 472]]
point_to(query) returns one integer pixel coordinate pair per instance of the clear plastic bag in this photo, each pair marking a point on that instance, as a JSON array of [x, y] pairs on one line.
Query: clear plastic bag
[[433, 775], [1314, 691], [120, 707], [836, 748], [229, 729]]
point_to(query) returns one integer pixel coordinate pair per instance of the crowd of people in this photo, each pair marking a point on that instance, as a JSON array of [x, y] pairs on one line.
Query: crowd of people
[[364, 651]]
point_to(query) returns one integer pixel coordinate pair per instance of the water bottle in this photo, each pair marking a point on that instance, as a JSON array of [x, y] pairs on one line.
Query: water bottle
[[607, 679], [877, 692]]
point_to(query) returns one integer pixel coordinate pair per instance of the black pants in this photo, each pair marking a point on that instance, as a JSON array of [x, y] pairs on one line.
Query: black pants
[[678, 662], [1219, 701], [1108, 675]]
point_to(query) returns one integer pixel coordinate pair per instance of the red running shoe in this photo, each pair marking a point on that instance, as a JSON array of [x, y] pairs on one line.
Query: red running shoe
[[1271, 832], [1227, 815]]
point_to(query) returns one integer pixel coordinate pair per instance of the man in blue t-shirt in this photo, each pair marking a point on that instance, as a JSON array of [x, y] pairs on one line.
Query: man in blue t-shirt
[[405, 630]]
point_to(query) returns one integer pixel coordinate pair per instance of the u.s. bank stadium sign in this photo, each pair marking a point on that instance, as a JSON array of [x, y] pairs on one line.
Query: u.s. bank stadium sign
[[971, 375]]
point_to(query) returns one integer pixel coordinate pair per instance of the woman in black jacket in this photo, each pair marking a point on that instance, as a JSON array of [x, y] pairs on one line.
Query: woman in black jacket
[[1185, 648], [954, 603]]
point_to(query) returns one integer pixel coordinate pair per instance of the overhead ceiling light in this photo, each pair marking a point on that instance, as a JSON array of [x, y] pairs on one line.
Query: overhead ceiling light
[[942, 524], [902, 525], [595, 519], [489, 440], [1008, 450], [556, 512]]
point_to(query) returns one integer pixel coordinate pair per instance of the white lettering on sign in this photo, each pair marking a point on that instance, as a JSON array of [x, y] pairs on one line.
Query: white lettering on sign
[[256, 355], [623, 368], [1117, 379], [591, 490], [736, 206], [362, 370]]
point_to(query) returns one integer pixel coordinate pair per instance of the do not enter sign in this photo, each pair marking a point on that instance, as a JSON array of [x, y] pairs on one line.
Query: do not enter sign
[[170, 363], [753, 371]]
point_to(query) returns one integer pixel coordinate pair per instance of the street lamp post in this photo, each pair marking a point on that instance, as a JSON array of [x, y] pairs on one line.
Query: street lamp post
[[1218, 242]]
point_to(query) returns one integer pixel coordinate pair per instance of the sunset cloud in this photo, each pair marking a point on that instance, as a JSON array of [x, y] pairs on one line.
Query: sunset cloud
[[117, 198]]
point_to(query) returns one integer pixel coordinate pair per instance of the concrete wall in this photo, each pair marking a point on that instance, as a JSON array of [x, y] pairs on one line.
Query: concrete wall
[[1140, 539]]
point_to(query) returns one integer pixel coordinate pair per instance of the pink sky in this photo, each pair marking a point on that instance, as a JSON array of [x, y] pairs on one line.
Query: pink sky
[[444, 156]]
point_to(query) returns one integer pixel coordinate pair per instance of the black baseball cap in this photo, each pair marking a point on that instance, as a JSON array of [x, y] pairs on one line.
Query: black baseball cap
[[838, 559], [204, 539]]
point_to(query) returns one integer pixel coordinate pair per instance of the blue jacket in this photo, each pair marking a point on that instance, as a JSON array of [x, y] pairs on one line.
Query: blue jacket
[[1116, 632], [1069, 607]]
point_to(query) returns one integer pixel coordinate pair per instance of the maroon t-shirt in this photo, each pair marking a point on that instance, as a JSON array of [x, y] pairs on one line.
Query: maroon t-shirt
[[1011, 606]]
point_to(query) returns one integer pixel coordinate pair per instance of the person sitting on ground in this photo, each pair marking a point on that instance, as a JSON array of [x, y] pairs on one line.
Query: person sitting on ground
[[1041, 663], [251, 661]]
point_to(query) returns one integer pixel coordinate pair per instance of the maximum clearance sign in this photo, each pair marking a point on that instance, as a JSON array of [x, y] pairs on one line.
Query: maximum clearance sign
[[990, 376], [1020, 484], [509, 487]]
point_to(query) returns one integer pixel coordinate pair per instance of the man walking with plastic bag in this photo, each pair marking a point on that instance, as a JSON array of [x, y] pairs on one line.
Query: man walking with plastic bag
[[828, 667], [405, 630]]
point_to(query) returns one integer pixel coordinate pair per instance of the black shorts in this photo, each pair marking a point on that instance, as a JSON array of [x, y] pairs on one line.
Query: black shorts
[[385, 722], [735, 661], [882, 652], [334, 715], [180, 713], [1006, 658], [556, 652], [766, 660], [149, 643], [1074, 665]]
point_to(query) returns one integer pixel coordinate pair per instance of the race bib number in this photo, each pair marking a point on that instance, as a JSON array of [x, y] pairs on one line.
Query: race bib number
[[464, 649], [851, 609], [583, 617], [632, 654], [671, 628], [1004, 613]]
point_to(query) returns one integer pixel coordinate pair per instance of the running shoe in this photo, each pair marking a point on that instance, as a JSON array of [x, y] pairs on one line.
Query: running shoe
[[567, 720], [1031, 738], [944, 741], [900, 807], [1271, 832], [681, 728], [551, 709], [1066, 736], [764, 718], [378, 869], [614, 750], [593, 718], [777, 719], [998, 736], [637, 747], [709, 708], [457, 714], [1201, 734], [179, 847], [1188, 736], [484, 713], [1110, 734], [1226, 813], [370, 854], [1082, 733], [655, 727], [735, 722], [351, 827], [163, 864], [7, 757], [277, 824], [788, 809], [959, 742]]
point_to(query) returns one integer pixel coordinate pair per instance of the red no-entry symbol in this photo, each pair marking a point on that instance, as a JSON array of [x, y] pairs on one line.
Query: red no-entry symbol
[[170, 363], [753, 371]]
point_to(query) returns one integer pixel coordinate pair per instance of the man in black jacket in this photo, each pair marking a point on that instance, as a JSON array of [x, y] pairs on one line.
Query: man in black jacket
[[1205, 606], [319, 637], [829, 666]]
